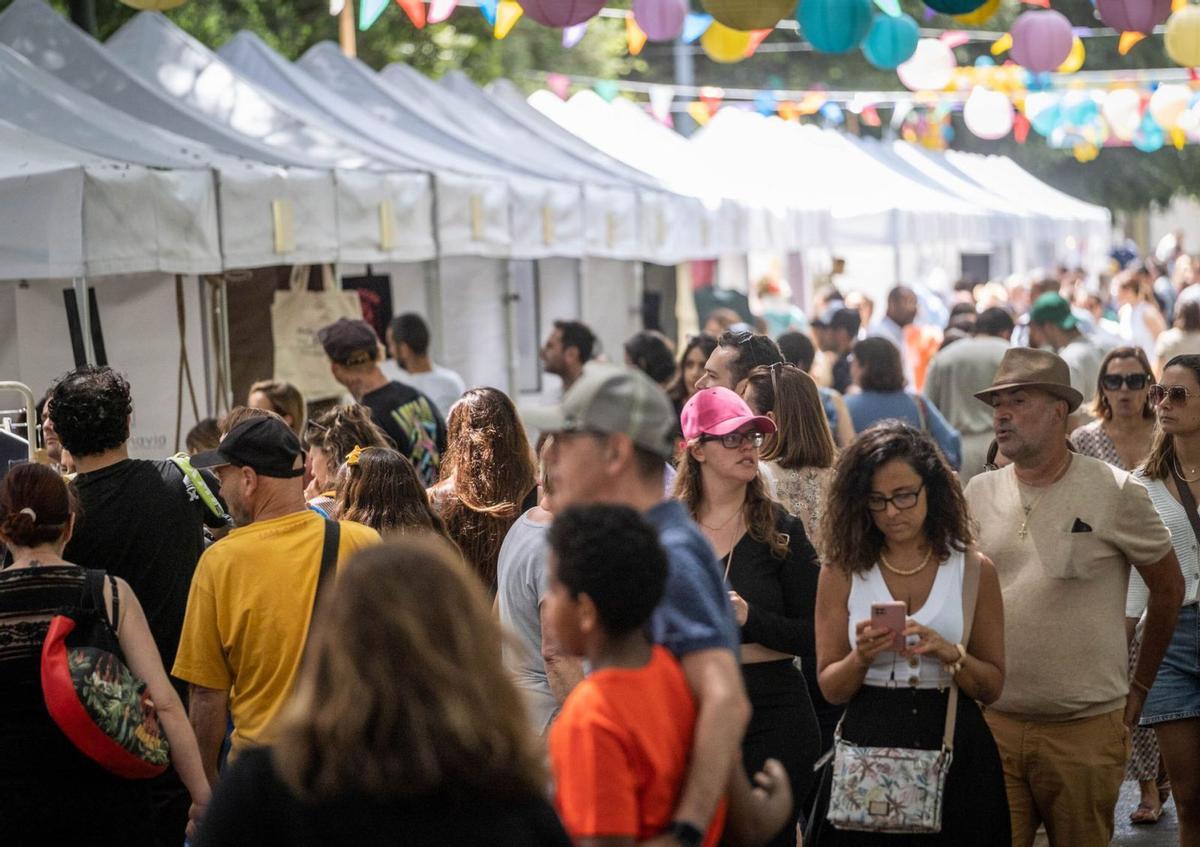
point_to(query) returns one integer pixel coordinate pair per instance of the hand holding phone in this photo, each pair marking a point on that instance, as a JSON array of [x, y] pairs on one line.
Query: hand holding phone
[[890, 616]]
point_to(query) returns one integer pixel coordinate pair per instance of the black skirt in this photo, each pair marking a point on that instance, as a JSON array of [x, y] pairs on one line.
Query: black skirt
[[975, 806]]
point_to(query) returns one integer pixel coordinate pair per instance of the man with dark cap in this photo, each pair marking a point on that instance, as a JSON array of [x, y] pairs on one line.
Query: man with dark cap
[[408, 417], [837, 330], [253, 594], [1053, 324]]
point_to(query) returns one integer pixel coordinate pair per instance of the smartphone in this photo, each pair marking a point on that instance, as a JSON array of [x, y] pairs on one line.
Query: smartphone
[[890, 616]]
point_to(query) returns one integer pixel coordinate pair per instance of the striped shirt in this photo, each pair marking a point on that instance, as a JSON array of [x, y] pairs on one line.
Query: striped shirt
[[1182, 539]]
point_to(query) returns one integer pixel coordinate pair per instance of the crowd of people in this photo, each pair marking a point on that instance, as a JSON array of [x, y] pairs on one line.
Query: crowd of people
[[702, 599]]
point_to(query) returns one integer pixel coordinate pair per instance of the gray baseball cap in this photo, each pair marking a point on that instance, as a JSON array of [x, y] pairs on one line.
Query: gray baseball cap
[[609, 399]]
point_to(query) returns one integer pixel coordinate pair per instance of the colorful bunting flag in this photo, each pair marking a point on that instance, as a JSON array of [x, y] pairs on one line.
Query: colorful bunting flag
[[1002, 44], [699, 112], [1128, 41], [560, 84], [487, 8], [608, 89], [954, 38], [369, 12], [508, 12], [757, 37], [572, 35], [661, 98], [634, 35], [415, 9], [440, 10], [890, 8], [336, 7], [694, 26]]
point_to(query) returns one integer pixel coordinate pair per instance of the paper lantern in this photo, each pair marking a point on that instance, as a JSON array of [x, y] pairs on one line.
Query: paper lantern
[[1042, 40], [1149, 136], [988, 114], [725, 45], [562, 13], [835, 26], [891, 41], [1123, 110], [1168, 103], [749, 14], [981, 15], [954, 7], [1076, 58], [931, 67], [1183, 37], [1134, 15], [661, 20]]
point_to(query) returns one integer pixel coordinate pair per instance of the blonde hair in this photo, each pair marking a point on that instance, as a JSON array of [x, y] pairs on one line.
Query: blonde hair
[[402, 692], [286, 401], [803, 438]]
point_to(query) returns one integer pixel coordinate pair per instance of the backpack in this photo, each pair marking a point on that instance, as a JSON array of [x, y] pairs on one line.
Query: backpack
[[91, 694]]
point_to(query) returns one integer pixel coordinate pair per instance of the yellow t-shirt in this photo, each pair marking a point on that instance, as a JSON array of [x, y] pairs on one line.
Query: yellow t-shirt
[[248, 614]]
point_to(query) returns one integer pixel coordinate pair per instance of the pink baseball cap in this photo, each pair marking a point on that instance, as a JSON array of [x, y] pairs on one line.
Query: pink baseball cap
[[718, 411]]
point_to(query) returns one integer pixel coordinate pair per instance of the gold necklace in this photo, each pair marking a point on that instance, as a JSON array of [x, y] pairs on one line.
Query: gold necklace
[[1023, 532], [728, 520], [883, 561], [1179, 471]]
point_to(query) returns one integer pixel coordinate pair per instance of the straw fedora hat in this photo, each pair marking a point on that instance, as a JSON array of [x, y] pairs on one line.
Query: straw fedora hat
[[1023, 367]]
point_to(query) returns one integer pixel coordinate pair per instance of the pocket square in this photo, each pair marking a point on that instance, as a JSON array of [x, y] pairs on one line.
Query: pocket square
[[1080, 526]]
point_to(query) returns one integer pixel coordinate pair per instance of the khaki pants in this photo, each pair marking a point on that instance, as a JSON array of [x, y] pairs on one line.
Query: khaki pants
[[1064, 775]]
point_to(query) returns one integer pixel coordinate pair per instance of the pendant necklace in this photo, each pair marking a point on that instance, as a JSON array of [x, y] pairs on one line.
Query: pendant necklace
[[1023, 532]]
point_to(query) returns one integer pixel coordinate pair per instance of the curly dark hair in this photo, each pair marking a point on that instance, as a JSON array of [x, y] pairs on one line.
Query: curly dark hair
[[652, 353], [852, 541], [90, 409], [340, 430], [612, 555]]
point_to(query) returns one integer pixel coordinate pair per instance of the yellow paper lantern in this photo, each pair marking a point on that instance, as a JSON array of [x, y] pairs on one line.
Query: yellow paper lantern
[[749, 14], [1075, 59], [725, 45], [154, 5], [981, 15], [1183, 37]]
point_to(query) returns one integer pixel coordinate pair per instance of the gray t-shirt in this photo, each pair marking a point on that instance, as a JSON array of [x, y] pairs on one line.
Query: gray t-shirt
[[521, 583], [441, 385]]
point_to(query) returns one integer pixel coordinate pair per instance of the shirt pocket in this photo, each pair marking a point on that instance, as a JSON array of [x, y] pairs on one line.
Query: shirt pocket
[[1077, 555]]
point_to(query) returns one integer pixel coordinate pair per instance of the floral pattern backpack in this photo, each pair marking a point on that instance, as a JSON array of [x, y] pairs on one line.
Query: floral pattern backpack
[[91, 694]]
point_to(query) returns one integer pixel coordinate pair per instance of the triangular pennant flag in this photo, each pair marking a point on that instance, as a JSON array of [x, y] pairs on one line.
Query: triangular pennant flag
[[661, 98], [757, 37], [1002, 44], [369, 12], [954, 38], [415, 9], [1176, 5], [1178, 138], [487, 8], [336, 7], [608, 89], [891, 8], [560, 84], [634, 35], [765, 103], [694, 26], [1021, 127], [1045, 4], [572, 35], [508, 12], [1128, 41], [699, 112], [440, 10], [712, 97], [870, 116], [1192, 75]]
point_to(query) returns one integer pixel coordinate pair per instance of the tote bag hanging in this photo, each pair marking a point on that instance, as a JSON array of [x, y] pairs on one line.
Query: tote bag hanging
[[296, 316]]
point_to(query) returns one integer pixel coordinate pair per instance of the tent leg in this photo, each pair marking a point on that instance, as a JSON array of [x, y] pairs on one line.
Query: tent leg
[[79, 285], [347, 37], [510, 331]]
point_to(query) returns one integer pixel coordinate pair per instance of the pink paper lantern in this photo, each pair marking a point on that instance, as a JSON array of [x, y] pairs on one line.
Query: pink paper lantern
[[1134, 15], [562, 13], [1042, 40], [661, 20]]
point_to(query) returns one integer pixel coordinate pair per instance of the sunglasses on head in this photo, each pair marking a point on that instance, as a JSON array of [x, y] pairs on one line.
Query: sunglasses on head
[[1134, 382], [1177, 394]]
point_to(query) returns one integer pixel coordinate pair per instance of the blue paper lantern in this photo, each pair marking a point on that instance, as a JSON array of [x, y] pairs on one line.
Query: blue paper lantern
[[1149, 136], [954, 7], [891, 42], [835, 26]]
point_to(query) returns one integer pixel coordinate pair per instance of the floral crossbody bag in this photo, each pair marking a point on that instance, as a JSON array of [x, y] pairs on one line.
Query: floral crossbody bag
[[899, 789]]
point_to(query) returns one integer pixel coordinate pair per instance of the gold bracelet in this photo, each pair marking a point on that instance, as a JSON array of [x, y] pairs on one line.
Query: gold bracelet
[[1140, 685], [954, 668]]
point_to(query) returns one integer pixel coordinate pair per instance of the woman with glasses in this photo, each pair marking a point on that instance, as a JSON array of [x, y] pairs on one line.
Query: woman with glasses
[[1172, 476], [1121, 435], [897, 530], [772, 570], [328, 440]]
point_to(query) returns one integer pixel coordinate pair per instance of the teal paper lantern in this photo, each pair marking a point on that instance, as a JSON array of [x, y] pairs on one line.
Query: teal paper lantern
[[835, 26], [954, 7], [891, 42]]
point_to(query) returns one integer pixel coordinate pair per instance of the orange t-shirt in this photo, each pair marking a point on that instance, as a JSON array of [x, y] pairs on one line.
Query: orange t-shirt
[[620, 751]]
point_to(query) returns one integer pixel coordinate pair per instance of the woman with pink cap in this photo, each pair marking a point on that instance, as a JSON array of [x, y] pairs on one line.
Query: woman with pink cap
[[772, 571]]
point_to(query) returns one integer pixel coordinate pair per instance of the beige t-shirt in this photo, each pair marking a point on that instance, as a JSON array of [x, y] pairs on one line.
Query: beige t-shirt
[[1064, 591]]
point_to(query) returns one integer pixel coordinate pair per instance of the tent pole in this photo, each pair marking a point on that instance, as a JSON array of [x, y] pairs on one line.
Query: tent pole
[[347, 37], [79, 284]]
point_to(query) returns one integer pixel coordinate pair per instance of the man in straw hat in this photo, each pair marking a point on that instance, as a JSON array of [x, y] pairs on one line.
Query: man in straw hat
[[1063, 531]]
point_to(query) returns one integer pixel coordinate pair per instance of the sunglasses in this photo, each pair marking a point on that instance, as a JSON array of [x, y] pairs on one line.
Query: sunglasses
[[903, 501], [734, 440], [1134, 382], [1177, 394]]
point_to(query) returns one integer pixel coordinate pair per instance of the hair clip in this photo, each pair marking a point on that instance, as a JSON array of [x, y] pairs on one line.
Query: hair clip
[[352, 458], [32, 514]]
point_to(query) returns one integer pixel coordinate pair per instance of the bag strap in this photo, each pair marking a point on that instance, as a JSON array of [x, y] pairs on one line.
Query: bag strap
[[922, 412], [1188, 500], [93, 596], [194, 476], [970, 595], [329, 551]]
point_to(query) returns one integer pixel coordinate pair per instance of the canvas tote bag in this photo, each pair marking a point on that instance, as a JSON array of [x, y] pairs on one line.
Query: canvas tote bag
[[297, 314]]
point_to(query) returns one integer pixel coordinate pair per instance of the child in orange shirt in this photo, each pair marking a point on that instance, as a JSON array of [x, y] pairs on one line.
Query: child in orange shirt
[[619, 749]]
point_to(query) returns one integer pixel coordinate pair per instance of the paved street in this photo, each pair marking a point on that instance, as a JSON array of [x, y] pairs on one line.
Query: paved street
[[1165, 833]]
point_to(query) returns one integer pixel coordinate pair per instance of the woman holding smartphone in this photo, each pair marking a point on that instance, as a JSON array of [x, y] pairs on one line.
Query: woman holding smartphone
[[896, 530]]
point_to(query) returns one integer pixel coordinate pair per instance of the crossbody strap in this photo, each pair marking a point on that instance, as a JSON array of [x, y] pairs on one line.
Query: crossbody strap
[[329, 552], [1188, 501], [93, 593], [970, 595]]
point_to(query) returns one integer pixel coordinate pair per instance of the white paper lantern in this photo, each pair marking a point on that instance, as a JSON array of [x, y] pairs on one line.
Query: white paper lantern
[[988, 114], [930, 69], [1168, 103], [1123, 110]]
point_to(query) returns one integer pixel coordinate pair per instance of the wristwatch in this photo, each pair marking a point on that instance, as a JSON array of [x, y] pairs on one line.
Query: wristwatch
[[685, 833]]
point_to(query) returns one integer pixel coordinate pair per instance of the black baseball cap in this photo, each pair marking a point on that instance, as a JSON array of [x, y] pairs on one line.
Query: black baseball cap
[[349, 342], [265, 444]]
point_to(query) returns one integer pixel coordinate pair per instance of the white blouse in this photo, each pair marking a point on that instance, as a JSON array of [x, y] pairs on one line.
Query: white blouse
[[942, 612], [1182, 539]]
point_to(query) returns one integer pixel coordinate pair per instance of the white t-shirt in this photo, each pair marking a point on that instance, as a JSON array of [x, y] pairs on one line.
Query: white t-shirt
[[441, 385]]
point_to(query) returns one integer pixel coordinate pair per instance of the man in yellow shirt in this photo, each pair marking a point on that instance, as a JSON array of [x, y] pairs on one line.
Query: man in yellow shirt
[[253, 594]]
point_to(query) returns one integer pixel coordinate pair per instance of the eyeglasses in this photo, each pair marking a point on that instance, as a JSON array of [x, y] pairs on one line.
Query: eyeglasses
[[903, 501], [1134, 382], [734, 440], [1177, 394]]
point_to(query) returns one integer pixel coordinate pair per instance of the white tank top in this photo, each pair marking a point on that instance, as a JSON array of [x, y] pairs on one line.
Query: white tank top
[[942, 612]]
